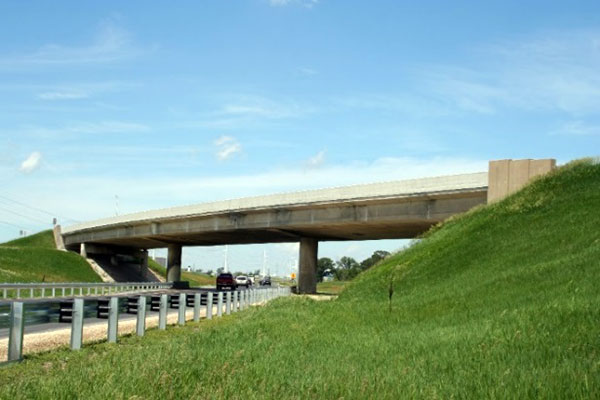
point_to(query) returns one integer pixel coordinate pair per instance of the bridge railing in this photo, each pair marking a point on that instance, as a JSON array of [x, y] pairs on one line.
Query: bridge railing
[[65, 289], [225, 303]]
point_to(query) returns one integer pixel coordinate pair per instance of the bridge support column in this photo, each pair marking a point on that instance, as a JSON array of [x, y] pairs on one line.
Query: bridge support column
[[144, 265], [174, 263], [307, 274]]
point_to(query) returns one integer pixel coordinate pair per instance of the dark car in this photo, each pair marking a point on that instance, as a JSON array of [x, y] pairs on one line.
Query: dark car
[[266, 281], [226, 280]]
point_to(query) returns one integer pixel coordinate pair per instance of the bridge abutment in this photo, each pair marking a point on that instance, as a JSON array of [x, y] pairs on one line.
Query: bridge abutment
[[307, 274], [174, 263]]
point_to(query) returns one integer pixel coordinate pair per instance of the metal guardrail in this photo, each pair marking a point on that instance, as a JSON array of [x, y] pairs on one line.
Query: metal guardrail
[[63, 289], [232, 301]]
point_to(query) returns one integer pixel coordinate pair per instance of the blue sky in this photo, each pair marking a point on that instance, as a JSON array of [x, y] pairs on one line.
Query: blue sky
[[166, 105]]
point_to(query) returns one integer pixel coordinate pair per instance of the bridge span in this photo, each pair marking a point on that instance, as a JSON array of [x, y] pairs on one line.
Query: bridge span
[[389, 210]]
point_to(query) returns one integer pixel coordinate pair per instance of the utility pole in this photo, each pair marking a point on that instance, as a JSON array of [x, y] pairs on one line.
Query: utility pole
[[226, 256], [263, 272], [116, 204]]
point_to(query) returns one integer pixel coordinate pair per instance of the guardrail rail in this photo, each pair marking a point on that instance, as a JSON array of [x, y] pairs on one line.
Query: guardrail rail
[[226, 302]]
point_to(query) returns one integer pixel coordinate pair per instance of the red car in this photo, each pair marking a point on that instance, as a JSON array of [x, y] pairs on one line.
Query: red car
[[226, 280]]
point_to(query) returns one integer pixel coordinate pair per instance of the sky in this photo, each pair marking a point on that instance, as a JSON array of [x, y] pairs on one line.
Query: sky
[[116, 107]]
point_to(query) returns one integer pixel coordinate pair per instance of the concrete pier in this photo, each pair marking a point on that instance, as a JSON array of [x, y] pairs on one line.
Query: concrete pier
[[174, 263], [307, 276]]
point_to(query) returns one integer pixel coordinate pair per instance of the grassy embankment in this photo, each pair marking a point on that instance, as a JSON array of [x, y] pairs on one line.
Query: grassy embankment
[[35, 259], [502, 302], [193, 278], [331, 287]]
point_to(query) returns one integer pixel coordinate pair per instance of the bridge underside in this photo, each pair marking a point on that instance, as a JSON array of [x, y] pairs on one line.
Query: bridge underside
[[384, 219], [388, 218]]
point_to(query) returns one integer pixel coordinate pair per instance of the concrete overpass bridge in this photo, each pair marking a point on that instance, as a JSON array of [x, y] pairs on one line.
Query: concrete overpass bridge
[[390, 210]]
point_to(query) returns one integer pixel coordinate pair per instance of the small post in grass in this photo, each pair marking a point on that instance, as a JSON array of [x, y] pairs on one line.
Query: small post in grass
[[220, 304], [15, 335], [209, 305], [181, 317], [196, 307], [113, 319], [141, 316], [162, 311], [77, 324]]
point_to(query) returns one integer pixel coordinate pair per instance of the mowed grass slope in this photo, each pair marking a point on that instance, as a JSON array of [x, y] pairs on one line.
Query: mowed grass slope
[[500, 303], [193, 278], [35, 259]]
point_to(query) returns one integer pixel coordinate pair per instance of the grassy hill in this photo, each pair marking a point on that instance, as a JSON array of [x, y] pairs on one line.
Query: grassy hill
[[502, 302], [193, 278], [35, 259]]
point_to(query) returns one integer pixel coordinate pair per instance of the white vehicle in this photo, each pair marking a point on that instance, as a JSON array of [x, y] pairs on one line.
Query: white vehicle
[[242, 280]]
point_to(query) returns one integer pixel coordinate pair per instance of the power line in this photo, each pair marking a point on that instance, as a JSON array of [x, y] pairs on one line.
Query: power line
[[8, 223], [24, 216], [38, 209]]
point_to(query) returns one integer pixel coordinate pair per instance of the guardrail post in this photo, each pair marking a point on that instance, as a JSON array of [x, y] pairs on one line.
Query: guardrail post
[[141, 316], [209, 305], [162, 311], [234, 301], [228, 304], [182, 300], [197, 307], [220, 304], [77, 324], [244, 299], [15, 335], [113, 319]]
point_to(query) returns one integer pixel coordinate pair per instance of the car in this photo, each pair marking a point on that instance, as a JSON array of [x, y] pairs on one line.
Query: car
[[266, 281], [226, 280], [242, 280]]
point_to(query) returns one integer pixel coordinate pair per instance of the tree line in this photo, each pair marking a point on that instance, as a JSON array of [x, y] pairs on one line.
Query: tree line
[[347, 268]]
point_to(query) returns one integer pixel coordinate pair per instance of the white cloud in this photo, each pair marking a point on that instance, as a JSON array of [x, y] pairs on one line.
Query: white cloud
[[317, 160], [289, 248], [31, 163], [305, 71], [227, 147], [111, 43], [578, 128], [556, 71], [103, 127], [256, 106], [62, 95], [304, 3]]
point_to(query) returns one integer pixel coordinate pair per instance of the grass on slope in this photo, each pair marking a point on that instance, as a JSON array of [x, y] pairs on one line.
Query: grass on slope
[[35, 259], [500, 303], [331, 287], [41, 240], [193, 278]]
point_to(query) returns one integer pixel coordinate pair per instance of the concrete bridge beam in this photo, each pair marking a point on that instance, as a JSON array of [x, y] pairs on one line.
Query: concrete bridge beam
[[307, 274], [174, 263]]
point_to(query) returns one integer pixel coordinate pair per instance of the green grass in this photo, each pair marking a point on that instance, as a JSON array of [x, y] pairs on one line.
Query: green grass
[[35, 259], [193, 278], [331, 287], [41, 240], [502, 302]]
